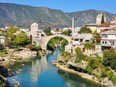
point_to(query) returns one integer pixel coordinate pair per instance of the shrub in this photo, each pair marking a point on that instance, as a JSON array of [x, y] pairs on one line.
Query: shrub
[[85, 30], [93, 63], [79, 55], [109, 58], [89, 70], [113, 79], [66, 56], [1, 47], [34, 48], [109, 74]]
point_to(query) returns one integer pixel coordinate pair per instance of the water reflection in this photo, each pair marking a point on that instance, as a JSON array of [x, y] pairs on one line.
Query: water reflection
[[76, 81], [37, 67]]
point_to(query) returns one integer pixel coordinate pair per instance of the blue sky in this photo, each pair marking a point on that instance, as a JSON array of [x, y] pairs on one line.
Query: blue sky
[[70, 5]]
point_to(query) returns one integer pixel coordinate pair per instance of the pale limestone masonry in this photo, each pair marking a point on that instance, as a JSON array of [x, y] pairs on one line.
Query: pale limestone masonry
[[2, 39], [35, 33], [99, 18]]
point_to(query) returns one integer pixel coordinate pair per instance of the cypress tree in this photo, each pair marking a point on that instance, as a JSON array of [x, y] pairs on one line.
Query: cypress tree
[[102, 20]]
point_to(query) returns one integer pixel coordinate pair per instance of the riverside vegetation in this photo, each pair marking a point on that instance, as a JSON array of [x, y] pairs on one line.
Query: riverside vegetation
[[103, 69], [18, 46]]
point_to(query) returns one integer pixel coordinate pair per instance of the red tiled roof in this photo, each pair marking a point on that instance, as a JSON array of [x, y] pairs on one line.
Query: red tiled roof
[[112, 24], [104, 25], [114, 19]]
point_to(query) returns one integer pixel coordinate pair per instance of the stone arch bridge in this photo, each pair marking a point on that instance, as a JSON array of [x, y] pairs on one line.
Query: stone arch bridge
[[46, 39]]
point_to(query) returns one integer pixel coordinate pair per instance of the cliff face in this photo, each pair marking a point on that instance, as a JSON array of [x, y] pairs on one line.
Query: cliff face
[[23, 16]]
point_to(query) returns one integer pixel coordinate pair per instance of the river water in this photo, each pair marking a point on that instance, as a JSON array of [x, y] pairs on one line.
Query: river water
[[41, 73]]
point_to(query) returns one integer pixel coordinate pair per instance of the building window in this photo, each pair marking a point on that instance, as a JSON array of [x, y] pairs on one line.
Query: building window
[[86, 40], [81, 40], [102, 42], [76, 39]]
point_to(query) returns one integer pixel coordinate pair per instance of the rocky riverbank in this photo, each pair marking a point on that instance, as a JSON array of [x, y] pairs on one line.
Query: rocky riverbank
[[105, 82], [12, 56]]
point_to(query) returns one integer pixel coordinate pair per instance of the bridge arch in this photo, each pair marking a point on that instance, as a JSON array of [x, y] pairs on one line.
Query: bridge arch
[[46, 39]]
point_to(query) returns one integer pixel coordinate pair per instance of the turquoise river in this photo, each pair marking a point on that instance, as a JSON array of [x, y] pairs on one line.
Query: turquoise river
[[41, 73]]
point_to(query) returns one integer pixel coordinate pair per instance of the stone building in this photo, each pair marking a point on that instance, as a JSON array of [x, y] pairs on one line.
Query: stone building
[[35, 33], [113, 23], [2, 39], [108, 39], [92, 26], [99, 18]]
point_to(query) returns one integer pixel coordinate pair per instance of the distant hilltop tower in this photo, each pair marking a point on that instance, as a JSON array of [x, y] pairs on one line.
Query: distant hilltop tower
[[100, 19]]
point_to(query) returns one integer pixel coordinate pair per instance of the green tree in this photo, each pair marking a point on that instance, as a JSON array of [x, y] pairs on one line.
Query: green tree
[[97, 38], [68, 32], [10, 36], [102, 20], [109, 58], [66, 56], [48, 31], [93, 63], [89, 46], [85, 30], [11, 31], [79, 54], [22, 39], [1, 47]]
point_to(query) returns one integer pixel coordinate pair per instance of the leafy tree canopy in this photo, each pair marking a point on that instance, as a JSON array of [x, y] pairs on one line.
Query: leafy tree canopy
[[22, 39], [68, 32], [85, 30], [89, 46], [109, 58], [12, 30], [48, 31], [97, 38], [102, 20], [10, 36], [1, 47]]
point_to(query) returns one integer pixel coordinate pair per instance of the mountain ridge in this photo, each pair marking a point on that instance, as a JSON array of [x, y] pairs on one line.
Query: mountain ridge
[[24, 15]]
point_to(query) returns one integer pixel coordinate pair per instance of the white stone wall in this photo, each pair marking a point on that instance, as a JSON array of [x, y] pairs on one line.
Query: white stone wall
[[99, 18], [108, 40], [2, 40], [34, 27]]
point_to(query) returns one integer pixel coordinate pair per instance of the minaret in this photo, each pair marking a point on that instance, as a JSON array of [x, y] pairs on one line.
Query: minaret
[[72, 26]]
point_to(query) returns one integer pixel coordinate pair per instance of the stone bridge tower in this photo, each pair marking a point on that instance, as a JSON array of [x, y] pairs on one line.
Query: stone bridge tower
[[35, 33]]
